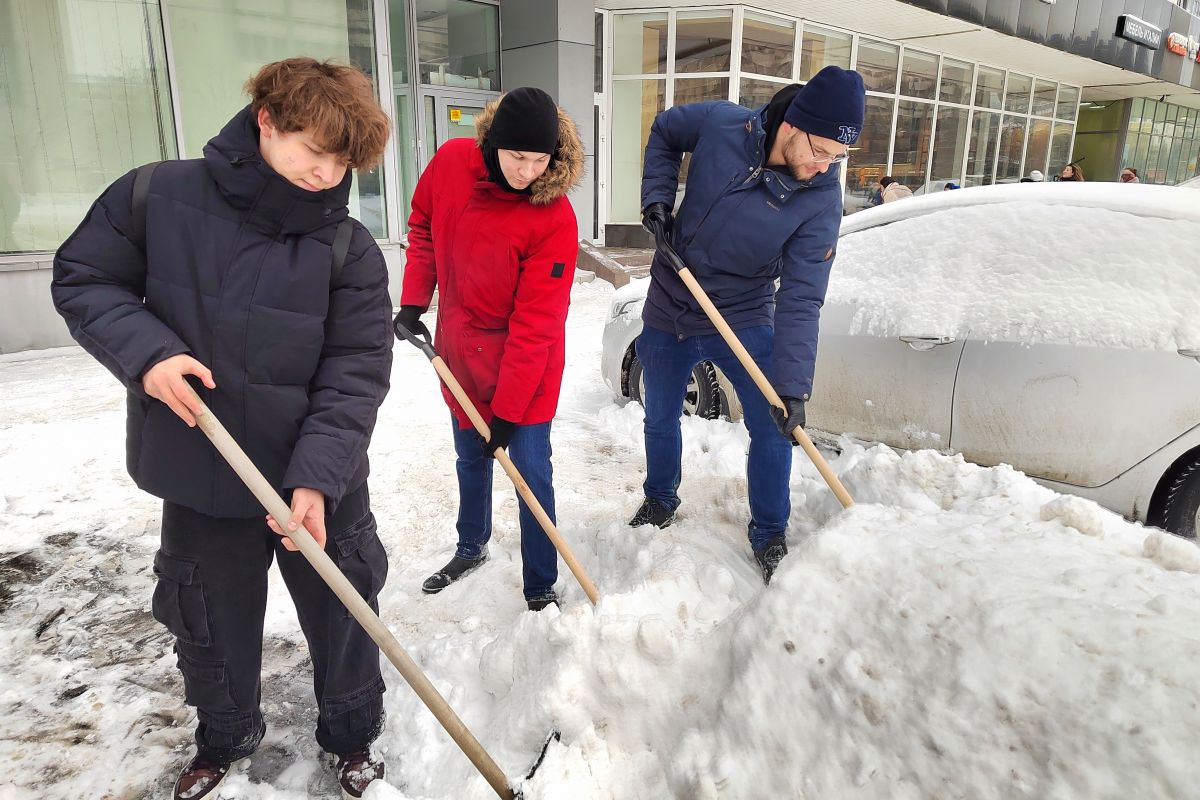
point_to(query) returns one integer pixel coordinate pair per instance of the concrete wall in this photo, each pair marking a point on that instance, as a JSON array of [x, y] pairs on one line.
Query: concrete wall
[[29, 321], [549, 44]]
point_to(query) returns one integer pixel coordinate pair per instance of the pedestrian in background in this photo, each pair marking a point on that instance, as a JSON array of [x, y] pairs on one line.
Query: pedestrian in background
[[492, 230], [1071, 172], [232, 282], [892, 189], [1130, 175]]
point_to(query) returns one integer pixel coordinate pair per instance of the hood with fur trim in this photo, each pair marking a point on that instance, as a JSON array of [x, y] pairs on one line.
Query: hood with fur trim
[[567, 170]]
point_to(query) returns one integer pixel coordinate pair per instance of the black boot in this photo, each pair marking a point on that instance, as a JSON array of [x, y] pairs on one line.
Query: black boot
[[653, 512], [769, 555], [457, 568], [545, 601]]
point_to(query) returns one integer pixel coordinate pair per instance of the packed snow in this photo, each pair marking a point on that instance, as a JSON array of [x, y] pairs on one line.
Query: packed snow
[[1111, 266], [960, 632]]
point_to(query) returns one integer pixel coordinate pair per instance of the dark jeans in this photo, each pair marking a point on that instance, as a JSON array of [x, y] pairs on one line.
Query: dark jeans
[[212, 594], [667, 364], [530, 453]]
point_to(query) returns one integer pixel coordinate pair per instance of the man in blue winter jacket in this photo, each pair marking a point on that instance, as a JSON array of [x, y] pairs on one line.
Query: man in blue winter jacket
[[763, 204]]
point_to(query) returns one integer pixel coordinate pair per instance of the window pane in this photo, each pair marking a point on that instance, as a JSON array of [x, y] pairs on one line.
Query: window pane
[[754, 92], [1130, 151], [878, 63], [949, 144], [918, 74], [1043, 98], [83, 100], [634, 106], [767, 45], [1038, 148], [703, 41], [1141, 159], [639, 44], [1173, 160], [695, 90], [1135, 114], [1016, 96], [989, 88], [981, 154], [956, 81], [458, 43], [1153, 173], [1068, 102], [1060, 147], [218, 45], [1012, 143], [914, 124], [869, 155], [819, 48]]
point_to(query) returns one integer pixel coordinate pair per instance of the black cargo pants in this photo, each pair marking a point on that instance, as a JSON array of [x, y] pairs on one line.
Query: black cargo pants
[[212, 594]]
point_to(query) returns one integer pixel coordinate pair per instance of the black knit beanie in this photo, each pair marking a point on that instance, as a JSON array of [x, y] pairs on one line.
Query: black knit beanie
[[526, 120]]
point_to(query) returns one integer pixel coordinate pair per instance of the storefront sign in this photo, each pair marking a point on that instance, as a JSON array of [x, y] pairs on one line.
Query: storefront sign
[[1186, 46], [1139, 31]]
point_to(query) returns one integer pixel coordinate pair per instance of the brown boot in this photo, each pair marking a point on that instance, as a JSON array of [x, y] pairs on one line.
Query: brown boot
[[199, 778], [355, 772]]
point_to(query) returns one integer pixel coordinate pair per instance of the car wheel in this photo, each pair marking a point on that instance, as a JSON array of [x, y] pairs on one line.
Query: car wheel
[[703, 396], [1182, 504]]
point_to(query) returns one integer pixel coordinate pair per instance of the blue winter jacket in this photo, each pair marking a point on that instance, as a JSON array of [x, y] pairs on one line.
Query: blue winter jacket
[[740, 227], [235, 270]]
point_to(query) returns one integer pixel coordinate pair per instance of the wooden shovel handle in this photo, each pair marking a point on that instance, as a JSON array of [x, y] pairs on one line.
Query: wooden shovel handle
[[346, 592]]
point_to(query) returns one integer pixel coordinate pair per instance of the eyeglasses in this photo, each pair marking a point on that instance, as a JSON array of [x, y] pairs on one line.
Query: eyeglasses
[[819, 157], [1126, 176]]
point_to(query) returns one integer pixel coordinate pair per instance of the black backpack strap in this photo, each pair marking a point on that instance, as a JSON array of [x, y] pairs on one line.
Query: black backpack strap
[[141, 192], [341, 246]]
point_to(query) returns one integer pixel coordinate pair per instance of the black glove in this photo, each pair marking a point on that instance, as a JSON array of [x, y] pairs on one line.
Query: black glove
[[791, 419], [502, 433], [409, 319], [658, 215]]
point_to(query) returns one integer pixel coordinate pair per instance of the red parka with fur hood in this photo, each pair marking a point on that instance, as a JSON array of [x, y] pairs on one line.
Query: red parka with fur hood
[[503, 265]]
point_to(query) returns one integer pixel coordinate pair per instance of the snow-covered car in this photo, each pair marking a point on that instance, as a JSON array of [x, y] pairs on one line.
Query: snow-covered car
[[1053, 327]]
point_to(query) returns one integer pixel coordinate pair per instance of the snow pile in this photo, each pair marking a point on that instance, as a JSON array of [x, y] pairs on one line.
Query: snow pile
[[961, 632], [1026, 271]]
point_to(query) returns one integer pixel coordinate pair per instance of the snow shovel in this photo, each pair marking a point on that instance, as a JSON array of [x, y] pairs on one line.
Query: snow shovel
[[423, 344], [354, 603], [731, 339]]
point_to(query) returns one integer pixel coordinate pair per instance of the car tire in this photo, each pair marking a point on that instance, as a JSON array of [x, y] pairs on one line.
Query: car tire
[[1182, 503], [703, 397]]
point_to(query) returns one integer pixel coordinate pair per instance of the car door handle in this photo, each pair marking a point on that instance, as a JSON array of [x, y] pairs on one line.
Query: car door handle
[[923, 343], [1189, 353]]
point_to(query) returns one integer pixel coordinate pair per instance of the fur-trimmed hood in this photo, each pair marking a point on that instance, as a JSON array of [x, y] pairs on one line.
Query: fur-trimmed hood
[[567, 170]]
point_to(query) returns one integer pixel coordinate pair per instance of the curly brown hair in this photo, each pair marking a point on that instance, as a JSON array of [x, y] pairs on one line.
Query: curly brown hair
[[335, 102]]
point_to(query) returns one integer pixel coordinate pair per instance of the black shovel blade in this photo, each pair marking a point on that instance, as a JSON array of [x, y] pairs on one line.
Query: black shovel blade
[[554, 736]]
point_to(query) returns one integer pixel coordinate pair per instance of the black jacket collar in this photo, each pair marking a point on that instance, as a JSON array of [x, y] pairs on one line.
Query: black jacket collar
[[272, 204]]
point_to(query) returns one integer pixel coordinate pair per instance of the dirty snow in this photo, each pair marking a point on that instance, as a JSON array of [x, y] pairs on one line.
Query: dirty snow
[[961, 632]]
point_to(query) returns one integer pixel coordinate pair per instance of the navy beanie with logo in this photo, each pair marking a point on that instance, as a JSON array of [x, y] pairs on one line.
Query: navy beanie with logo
[[830, 105]]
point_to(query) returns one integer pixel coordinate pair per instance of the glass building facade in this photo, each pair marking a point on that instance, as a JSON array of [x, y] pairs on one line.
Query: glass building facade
[[930, 118], [90, 89]]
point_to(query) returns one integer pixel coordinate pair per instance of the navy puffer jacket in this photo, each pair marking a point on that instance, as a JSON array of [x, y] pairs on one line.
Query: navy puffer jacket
[[740, 228], [236, 273]]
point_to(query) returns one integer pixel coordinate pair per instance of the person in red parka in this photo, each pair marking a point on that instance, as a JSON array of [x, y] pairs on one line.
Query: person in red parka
[[492, 229]]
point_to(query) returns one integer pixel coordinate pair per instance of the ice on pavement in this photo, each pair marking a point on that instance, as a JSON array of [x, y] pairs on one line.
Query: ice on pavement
[[961, 632]]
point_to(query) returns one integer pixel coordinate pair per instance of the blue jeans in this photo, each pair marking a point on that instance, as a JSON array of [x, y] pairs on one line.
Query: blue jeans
[[530, 453], [667, 364]]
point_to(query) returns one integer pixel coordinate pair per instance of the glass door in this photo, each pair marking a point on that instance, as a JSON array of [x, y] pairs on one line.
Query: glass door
[[448, 116]]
